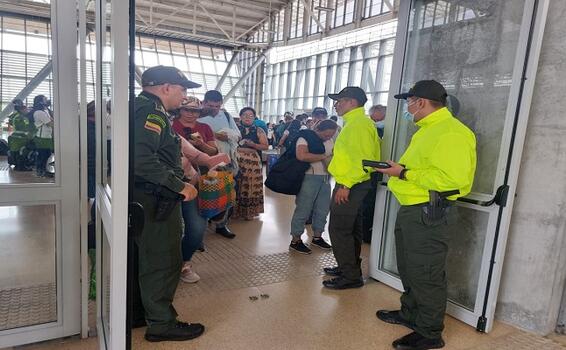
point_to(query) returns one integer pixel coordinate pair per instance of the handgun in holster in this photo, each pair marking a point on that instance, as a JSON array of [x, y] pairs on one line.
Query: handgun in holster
[[166, 201], [434, 212]]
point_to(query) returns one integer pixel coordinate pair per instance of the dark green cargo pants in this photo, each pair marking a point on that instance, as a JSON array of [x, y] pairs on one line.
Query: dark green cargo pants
[[345, 231], [160, 261], [421, 260]]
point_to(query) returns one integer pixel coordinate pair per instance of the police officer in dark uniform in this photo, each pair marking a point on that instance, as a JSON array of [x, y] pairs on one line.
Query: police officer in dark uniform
[[160, 188], [437, 168], [21, 135]]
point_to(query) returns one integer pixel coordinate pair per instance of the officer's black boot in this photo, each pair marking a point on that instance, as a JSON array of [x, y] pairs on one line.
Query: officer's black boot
[[181, 331], [415, 341], [393, 317], [335, 270]]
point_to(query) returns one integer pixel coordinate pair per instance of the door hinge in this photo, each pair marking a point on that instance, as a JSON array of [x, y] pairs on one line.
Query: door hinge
[[482, 323]]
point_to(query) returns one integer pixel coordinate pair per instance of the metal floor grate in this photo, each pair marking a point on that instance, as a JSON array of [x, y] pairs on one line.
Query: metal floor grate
[[251, 271], [26, 306], [224, 266]]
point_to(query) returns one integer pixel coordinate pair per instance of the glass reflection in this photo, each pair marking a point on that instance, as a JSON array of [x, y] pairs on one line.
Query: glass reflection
[[471, 50]]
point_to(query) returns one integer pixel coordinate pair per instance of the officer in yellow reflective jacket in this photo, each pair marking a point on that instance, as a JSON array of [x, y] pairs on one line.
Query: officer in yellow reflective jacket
[[357, 141], [437, 168]]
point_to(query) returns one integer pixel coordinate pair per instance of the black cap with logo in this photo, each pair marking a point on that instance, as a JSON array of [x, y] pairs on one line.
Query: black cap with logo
[[429, 89], [351, 92], [160, 75]]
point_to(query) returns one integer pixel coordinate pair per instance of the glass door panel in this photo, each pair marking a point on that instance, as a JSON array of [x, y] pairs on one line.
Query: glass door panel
[[478, 51], [39, 184]]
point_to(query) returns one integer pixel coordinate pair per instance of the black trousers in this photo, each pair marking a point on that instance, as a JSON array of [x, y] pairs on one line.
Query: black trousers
[[345, 230]]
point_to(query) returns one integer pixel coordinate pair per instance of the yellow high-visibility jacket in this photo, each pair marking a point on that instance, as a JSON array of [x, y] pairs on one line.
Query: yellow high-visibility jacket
[[441, 157], [358, 140]]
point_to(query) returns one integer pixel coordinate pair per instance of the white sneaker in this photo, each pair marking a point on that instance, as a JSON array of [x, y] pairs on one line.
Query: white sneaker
[[187, 273]]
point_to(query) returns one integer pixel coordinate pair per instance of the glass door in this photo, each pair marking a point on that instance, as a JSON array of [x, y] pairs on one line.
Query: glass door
[[39, 180], [112, 179], [485, 53]]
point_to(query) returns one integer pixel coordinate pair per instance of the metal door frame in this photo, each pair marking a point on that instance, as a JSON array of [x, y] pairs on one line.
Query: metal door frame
[[112, 206], [64, 192]]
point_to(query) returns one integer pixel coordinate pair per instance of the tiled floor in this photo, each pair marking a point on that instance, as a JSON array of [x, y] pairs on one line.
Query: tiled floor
[[9, 176], [254, 294]]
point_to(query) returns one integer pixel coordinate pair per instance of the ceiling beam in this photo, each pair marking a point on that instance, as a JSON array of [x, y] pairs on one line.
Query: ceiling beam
[[198, 37], [173, 13], [224, 13], [215, 22], [252, 28], [202, 22], [307, 5], [244, 5]]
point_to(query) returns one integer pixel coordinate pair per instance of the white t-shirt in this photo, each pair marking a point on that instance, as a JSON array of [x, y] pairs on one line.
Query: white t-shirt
[[320, 167], [41, 120]]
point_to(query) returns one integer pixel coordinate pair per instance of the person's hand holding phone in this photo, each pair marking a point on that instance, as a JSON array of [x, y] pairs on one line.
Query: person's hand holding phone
[[394, 169]]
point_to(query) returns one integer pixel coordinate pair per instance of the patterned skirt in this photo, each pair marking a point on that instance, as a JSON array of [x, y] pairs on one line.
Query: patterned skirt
[[249, 188]]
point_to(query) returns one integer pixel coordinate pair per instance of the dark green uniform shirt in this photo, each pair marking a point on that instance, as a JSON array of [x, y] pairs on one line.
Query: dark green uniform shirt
[[157, 148]]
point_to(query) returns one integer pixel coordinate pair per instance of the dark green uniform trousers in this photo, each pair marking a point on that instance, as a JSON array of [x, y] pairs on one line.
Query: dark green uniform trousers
[[160, 261], [345, 231], [421, 261]]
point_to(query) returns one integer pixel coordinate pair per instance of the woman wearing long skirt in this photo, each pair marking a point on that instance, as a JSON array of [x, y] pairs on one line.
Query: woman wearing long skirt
[[249, 183]]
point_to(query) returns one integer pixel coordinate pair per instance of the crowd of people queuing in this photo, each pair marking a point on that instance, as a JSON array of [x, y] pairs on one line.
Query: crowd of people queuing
[[179, 139]]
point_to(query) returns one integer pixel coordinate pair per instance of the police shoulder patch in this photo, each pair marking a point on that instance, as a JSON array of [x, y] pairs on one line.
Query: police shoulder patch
[[151, 126], [157, 119]]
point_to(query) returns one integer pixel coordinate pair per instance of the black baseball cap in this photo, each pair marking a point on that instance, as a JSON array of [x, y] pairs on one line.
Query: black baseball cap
[[319, 111], [351, 92], [429, 89], [160, 75]]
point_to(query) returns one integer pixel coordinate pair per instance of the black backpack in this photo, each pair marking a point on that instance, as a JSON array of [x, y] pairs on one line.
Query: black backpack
[[287, 174]]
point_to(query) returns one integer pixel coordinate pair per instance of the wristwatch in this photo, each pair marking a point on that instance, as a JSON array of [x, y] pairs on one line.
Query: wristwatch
[[403, 173], [342, 186]]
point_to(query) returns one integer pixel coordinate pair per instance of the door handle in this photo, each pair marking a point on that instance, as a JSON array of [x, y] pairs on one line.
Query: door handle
[[500, 198]]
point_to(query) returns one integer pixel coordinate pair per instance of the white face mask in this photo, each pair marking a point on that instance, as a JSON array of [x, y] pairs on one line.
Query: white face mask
[[408, 115], [380, 124]]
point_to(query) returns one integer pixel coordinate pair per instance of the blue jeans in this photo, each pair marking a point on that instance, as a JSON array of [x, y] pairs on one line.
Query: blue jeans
[[314, 197], [195, 226]]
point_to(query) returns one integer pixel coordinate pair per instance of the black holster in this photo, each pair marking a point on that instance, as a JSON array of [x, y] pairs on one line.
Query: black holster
[[435, 211], [165, 200]]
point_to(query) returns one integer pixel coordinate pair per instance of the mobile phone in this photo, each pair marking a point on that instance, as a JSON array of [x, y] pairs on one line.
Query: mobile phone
[[375, 164]]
